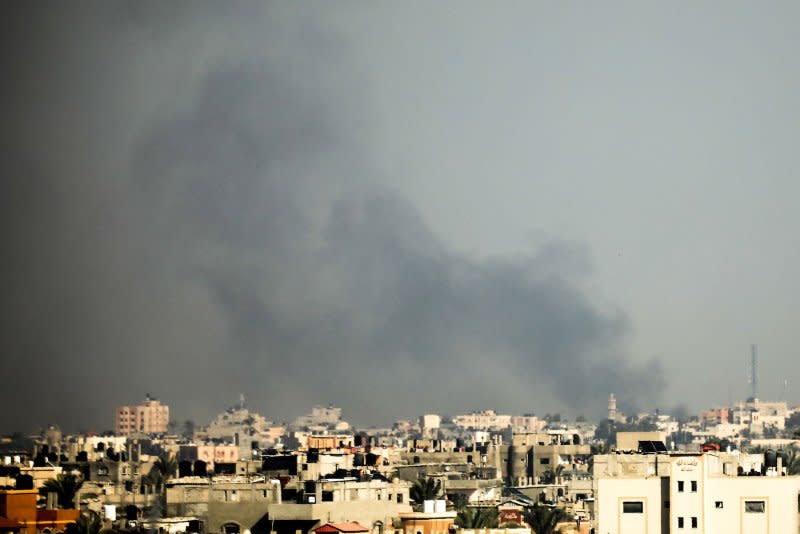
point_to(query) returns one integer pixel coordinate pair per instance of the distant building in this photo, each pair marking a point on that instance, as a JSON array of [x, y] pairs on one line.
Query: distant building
[[247, 430], [322, 416], [150, 417], [430, 423], [485, 420], [527, 423], [612, 408]]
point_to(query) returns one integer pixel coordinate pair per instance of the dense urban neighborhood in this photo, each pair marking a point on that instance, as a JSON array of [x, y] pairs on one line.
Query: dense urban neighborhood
[[729, 469]]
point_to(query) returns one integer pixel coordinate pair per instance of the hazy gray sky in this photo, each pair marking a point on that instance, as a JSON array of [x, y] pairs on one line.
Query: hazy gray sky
[[399, 208]]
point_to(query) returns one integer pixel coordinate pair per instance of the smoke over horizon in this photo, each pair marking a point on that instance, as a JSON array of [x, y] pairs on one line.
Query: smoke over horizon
[[233, 234]]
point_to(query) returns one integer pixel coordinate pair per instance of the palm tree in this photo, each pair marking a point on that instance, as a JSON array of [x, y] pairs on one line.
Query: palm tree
[[65, 486], [88, 523], [425, 489], [163, 469], [459, 501], [472, 518], [166, 464], [543, 519], [792, 462]]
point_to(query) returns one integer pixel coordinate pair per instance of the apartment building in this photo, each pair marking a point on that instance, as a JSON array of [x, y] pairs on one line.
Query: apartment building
[[485, 420], [696, 493], [150, 417]]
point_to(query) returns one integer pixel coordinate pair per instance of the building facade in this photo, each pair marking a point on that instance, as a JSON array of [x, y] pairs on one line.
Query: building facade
[[150, 417], [694, 493]]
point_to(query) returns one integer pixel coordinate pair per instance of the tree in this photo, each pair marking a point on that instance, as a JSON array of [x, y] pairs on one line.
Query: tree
[[65, 486], [163, 469], [794, 420], [543, 519], [425, 489], [167, 465], [792, 463], [88, 523], [459, 501], [472, 518]]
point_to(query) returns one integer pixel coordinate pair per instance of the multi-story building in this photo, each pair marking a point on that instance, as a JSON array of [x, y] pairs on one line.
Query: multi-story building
[[697, 493], [329, 416], [430, 423], [540, 457], [150, 417], [485, 420], [527, 423]]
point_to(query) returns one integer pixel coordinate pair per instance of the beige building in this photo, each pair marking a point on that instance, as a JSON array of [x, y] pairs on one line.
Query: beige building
[[485, 420], [693, 493], [373, 504], [150, 417], [540, 457]]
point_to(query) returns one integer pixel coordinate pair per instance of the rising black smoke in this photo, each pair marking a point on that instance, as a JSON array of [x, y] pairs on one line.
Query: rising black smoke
[[245, 242]]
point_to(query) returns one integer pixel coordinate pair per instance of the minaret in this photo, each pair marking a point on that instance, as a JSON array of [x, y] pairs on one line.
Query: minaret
[[612, 408]]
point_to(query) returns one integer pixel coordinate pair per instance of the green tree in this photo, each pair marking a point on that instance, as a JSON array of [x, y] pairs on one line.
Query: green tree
[[163, 469], [478, 518], [66, 487], [792, 462], [459, 501], [425, 489], [543, 519], [87, 523]]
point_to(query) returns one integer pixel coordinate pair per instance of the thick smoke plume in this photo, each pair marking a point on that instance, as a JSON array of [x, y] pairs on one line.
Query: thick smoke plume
[[246, 242]]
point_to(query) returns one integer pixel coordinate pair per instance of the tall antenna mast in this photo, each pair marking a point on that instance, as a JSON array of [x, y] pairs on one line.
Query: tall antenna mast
[[754, 370]]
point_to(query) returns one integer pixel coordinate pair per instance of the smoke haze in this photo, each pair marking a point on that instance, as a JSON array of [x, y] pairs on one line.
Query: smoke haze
[[195, 204]]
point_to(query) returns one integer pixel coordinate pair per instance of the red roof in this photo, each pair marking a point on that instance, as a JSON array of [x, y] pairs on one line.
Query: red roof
[[333, 528]]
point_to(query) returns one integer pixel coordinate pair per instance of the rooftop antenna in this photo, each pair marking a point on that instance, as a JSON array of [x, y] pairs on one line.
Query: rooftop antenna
[[754, 370]]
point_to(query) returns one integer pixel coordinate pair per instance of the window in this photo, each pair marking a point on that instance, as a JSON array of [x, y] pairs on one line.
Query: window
[[399, 498], [694, 486], [544, 461], [632, 507], [694, 522], [718, 505], [680, 486], [680, 522], [754, 507]]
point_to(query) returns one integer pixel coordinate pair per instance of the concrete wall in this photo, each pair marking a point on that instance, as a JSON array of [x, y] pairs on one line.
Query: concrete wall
[[613, 493]]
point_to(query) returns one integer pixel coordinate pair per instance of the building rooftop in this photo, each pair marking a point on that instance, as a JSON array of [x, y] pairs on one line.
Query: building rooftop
[[331, 528]]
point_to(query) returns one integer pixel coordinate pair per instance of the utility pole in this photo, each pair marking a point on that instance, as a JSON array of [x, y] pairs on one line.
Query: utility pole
[[754, 371]]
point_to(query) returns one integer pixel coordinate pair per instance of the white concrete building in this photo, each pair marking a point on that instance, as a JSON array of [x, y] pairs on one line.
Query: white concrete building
[[693, 493], [485, 420]]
